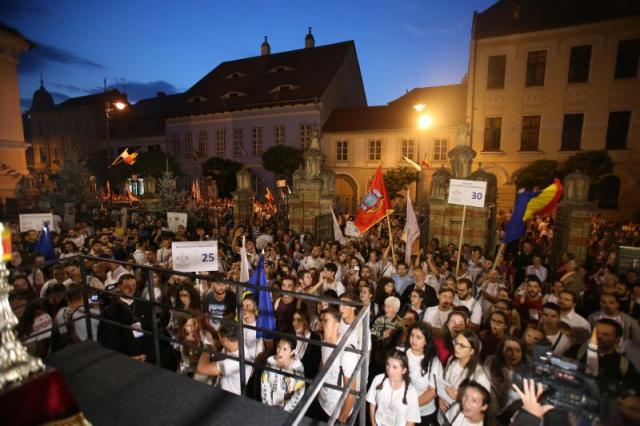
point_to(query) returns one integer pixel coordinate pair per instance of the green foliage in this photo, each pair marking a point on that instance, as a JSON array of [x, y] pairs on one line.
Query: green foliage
[[171, 199], [99, 165], [154, 163], [223, 172], [537, 175], [397, 180], [594, 164], [71, 184], [282, 159]]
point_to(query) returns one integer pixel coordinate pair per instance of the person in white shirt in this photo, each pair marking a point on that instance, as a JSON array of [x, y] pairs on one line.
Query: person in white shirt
[[424, 367], [164, 252], [59, 277], [116, 270], [436, 316], [253, 346], [464, 298], [393, 401], [560, 343], [554, 295], [313, 260], [328, 279], [580, 327], [226, 370], [339, 373], [537, 269], [474, 406]]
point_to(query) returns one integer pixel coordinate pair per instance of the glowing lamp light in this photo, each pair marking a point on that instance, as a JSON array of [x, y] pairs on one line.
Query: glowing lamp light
[[120, 105], [419, 107], [425, 121]]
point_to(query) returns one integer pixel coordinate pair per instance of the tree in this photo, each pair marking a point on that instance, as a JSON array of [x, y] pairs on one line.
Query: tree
[[282, 159], [71, 183], [223, 172], [171, 199], [397, 180], [99, 165], [537, 175], [595, 164], [155, 163]]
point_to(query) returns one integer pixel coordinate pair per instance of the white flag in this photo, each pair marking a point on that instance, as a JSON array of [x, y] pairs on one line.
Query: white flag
[[244, 263], [337, 232], [411, 230]]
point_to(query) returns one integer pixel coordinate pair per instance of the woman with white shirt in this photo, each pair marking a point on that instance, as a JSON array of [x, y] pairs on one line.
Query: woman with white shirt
[[424, 367], [465, 364], [473, 406], [393, 401]]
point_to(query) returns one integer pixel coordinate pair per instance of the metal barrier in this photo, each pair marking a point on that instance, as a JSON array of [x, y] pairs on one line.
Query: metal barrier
[[361, 323]]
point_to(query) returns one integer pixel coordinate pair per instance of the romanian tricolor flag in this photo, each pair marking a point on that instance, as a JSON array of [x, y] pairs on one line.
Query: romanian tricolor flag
[[126, 158], [5, 246], [375, 205], [268, 195], [529, 204]]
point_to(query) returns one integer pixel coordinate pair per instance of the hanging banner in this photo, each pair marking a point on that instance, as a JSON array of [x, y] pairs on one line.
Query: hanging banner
[[34, 221], [176, 219], [194, 256], [351, 230]]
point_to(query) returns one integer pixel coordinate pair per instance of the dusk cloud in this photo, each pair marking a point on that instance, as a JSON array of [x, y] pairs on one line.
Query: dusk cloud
[[39, 57], [137, 90]]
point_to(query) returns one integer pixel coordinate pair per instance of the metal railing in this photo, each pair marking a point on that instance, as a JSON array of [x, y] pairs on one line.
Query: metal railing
[[361, 324]]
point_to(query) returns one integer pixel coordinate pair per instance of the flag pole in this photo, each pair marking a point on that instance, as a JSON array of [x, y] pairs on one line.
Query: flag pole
[[498, 256], [464, 215], [393, 253]]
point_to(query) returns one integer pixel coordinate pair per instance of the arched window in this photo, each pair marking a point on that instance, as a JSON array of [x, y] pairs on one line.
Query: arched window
[[608, 192]]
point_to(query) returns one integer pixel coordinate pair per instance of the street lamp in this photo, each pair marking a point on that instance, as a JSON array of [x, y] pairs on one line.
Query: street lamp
[[424, 122], [109, 107]]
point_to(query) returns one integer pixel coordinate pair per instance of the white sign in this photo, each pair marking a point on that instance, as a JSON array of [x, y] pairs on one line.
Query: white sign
[[194, 256], [351, 230], [467, 192], [70, 214], [33, 221], [176, 219]]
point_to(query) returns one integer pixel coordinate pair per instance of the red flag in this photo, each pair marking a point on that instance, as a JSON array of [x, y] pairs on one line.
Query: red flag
[[375, 204]]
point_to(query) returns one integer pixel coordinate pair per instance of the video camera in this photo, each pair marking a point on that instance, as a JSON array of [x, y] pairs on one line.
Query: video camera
[[565, 385]]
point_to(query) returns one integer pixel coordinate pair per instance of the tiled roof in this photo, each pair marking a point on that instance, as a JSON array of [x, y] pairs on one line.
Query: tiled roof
[[254, 82], [521, 16], [88, 100], [445, 104]]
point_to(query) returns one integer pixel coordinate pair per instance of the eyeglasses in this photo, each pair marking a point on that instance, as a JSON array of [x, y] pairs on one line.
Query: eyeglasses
[[497, 322], [460, 345]]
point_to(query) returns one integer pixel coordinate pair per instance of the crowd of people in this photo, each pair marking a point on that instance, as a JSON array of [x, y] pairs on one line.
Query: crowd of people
[[444, 345]]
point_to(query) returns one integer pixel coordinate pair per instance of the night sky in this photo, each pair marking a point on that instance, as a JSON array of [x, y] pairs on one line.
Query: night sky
[[143, 47]]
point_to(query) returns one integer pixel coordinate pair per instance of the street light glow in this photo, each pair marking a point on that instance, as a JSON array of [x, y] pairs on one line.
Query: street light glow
[[425, 121], [120, 105]]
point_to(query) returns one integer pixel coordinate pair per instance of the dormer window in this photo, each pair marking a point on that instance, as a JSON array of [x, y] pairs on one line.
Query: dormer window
[[235, 75], [279, 69], [233, 94], [284, 88], [196, 99]]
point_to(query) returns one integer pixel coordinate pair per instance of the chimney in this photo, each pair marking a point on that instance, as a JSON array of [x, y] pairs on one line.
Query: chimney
[[309, 41], [265, 49]]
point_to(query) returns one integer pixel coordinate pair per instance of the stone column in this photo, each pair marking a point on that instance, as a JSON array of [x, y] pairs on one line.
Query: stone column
[[243, 198]]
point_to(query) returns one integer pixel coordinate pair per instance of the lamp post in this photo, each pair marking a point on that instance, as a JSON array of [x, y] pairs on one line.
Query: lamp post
[[424, 122], [110, 107]]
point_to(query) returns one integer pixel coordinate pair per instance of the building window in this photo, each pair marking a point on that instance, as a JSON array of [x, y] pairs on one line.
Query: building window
[[530, 133], [203, 141], [572, 132], [256, 184], [188, 145], [174, 147], [279, 135], [608, 192], [30, 156], [618, 129], [375, 150], [305, 136], [627, 59], [238, 141], [407, 148], [342, 150], [256, 139], [43, 154], [579, 63], [440, 149], [492, 130], [536, 64], [496, 71], [220, 143]]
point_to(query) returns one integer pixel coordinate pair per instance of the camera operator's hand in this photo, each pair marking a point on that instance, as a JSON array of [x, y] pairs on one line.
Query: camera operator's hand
[[530, 395]]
